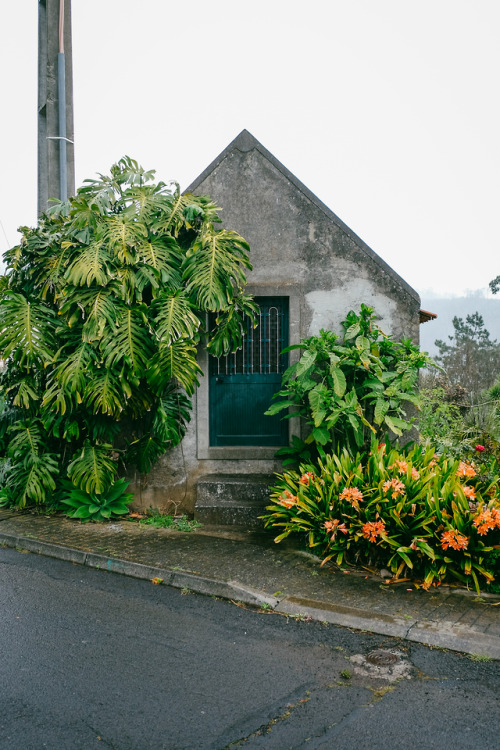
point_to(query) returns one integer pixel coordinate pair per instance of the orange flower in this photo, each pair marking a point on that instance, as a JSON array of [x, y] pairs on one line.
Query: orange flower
[[469, 492], [401, 466], [415, 474], [487, 519], [306, 478], [398, 487], [335, 526], [465, 470], [287, 500], [372, 530], [452, 538], [352, 495]]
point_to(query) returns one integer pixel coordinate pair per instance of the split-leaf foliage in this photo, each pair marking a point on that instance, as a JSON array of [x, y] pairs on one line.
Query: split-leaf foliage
[[102, 309]]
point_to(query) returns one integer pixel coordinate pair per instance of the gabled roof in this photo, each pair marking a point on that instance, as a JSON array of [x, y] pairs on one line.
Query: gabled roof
[[245, 141]]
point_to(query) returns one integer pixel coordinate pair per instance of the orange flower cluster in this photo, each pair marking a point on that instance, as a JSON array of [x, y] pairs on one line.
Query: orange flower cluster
[[335, 526], [397, 487], [469, 492], [465, 470], [372, 530], [487, 519], [306, 478], [352, 495], [454, 539], [402, 467], [287, 500]]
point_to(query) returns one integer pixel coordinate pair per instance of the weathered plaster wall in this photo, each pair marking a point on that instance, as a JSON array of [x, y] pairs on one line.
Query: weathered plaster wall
[[298, 249]]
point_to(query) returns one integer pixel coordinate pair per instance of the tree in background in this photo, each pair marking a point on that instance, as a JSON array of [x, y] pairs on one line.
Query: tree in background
[[471, 359], [102, 309]]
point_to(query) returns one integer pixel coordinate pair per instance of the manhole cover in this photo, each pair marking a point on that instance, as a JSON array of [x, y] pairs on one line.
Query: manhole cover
[[381, 658]]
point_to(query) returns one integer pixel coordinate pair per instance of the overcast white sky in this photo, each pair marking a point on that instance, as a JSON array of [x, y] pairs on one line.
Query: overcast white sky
[[388, 110]]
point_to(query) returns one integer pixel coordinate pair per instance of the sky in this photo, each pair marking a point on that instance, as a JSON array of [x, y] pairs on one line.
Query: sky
[[387, 110]]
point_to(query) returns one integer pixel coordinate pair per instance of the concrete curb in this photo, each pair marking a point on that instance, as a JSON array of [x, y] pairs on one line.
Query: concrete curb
[[441, 634]]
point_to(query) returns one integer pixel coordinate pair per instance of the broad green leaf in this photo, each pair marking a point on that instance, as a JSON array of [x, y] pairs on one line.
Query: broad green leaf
[[305, 363], [339, 381], [352, 331]]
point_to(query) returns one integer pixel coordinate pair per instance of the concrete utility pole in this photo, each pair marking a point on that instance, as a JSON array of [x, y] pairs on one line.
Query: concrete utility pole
[[56, 160]]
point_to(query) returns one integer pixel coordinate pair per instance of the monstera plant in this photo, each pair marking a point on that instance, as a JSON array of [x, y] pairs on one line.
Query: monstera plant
[[102, 308]]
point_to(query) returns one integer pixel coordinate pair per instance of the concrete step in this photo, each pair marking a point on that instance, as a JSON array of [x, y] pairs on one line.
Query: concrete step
[[232, 499]]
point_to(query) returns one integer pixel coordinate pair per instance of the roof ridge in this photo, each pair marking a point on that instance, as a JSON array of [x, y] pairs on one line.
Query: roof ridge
[[244, 142]]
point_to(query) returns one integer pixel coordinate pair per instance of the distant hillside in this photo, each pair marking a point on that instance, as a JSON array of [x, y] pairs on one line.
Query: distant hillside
[[447, 309]]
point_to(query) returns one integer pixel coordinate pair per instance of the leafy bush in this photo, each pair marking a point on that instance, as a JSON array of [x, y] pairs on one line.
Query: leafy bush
[[452, 424], [102, 308], [414, 512], [349, 389], [89, 506]]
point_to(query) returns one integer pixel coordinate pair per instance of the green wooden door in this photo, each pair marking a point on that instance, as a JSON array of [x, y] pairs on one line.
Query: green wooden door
[[242, 385]]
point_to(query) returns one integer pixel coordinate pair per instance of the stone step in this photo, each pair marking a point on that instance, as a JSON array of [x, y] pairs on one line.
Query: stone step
[[232, 499]]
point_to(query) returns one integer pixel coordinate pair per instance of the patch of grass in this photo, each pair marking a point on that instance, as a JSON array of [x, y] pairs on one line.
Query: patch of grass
[[161, 521], [479, 657], [346, 674]]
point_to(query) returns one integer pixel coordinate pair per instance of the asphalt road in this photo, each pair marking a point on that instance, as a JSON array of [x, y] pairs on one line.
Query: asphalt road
[[94, 660]]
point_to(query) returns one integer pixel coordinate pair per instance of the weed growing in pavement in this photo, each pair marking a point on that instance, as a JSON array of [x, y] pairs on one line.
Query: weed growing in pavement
[[345, 674], [177, 523], [479, 657]]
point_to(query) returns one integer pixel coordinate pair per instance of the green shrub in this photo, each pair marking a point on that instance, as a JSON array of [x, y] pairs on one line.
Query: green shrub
[[348, 389], [414, 512]]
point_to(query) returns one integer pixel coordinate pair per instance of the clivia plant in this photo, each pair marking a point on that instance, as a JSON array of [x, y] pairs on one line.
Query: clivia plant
[[432, 517]]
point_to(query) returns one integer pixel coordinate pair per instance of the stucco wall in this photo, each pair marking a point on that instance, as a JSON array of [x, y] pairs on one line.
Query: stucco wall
[[298, 249]]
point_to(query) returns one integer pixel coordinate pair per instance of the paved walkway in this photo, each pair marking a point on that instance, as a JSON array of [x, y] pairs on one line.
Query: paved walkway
[[248, 567]]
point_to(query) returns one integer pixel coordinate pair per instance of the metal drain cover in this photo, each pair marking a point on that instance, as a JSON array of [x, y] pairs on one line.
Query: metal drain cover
[[381, 658]]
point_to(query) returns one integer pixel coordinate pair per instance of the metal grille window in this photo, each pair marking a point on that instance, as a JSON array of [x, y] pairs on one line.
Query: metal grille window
[[261, 349]]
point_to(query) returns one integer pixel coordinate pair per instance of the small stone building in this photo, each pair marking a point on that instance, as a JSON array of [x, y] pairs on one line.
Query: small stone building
[[309, 270]]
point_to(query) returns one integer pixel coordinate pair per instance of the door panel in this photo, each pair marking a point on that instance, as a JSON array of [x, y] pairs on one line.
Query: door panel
[[242, 384]]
